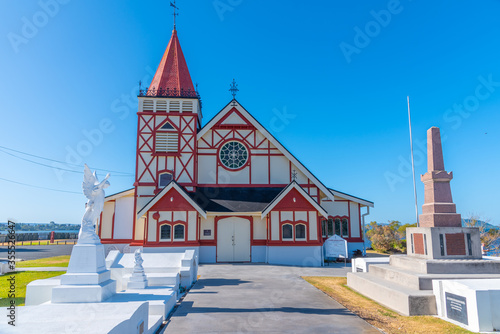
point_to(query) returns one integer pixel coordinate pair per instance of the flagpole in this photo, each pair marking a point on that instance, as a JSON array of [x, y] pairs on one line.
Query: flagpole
[[412, 163]]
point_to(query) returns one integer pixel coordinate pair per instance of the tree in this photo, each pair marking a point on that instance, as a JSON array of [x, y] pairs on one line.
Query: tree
[[490, 235]]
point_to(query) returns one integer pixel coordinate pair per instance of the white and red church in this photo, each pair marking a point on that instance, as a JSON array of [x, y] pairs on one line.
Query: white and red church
[[228, 189]]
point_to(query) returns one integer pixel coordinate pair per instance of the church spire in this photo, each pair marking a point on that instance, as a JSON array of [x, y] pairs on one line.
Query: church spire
[[172, 78]]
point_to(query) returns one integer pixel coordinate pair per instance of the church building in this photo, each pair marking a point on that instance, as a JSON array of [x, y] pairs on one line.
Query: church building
[[227, 189]]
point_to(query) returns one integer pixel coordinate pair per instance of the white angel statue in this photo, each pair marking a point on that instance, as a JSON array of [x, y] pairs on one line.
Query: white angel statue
[[94, 191]]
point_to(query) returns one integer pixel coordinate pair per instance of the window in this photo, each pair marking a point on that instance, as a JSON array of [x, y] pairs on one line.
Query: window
[[287, 231], [338, 226], [167, 139], [165, 232], [300, 231], [345, 227], [233, 155], [165, 179], [179, 232]]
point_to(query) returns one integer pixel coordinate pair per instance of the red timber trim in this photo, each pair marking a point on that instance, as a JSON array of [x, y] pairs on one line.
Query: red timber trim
[[349, 221], [116, 241]]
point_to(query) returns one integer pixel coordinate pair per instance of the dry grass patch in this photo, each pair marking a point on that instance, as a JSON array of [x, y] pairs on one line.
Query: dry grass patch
[[377, 315]]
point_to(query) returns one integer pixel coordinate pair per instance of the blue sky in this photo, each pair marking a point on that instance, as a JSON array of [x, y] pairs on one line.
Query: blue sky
[[341, 69]]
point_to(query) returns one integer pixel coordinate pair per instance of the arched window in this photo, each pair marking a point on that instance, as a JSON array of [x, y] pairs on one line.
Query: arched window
[[345, 227], [165, 232], [179, 232], [287, 231], [165, 179], [337, 225], [300, 232]]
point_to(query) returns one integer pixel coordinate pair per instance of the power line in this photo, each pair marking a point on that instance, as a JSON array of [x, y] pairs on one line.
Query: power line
[[54, 167], [33, 186]]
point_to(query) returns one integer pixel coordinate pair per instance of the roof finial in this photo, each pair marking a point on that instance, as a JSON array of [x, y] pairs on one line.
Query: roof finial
[[175, 13], [294, 175], [234, 89]]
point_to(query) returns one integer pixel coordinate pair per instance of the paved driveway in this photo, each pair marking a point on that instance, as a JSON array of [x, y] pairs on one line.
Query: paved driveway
[[248, 298]]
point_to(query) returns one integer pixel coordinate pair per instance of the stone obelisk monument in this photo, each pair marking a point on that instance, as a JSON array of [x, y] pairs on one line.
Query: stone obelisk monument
[[440, 234]]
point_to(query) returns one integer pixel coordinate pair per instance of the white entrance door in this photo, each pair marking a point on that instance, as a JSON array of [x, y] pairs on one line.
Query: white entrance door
[[233, 240]]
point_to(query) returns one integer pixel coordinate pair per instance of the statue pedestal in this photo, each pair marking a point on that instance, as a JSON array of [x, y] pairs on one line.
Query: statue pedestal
[[443, 242], [87, 279], [137, 281]]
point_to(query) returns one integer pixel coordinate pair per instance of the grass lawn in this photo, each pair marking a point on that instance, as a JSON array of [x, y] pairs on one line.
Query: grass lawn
[[56, 261], [377, 315], [22, 279]]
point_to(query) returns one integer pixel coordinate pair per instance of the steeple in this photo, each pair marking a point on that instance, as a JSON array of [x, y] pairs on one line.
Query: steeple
[[172, 77]]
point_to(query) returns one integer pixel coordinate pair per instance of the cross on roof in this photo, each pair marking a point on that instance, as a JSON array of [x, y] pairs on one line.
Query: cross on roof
[[175, 12], [234, 89]]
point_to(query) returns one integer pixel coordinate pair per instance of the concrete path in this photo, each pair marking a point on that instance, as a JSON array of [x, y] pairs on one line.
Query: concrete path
[[256, 298]]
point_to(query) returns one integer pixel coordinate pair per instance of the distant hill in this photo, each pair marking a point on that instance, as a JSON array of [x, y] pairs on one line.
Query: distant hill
[[488, 226]]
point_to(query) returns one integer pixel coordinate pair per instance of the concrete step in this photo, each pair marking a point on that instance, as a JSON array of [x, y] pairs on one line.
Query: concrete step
[[399, 276], [426, 266], [400, 298], [419, 281], [162, 279]]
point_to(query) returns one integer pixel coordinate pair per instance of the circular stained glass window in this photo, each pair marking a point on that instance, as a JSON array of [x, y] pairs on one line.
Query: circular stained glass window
[[233, 155]]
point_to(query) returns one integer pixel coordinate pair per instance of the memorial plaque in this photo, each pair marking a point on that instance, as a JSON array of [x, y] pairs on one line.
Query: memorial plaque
[[207, 233], [456, 308]]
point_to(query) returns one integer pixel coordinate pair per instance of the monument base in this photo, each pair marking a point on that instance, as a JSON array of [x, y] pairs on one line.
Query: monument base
[[91, 293], [87, 279], [405, 285], [137, 281], [444, 242]]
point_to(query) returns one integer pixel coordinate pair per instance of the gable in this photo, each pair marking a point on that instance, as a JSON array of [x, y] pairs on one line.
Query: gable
[[171, 196], [294, 199], [172, 201], [234, 118], [279, 161]]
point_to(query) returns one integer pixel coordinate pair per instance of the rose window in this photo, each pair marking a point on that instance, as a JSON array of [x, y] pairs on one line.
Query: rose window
[[233, 155]]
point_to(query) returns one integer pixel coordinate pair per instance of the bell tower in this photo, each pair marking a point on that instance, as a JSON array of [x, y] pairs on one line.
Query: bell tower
[[169, 118]]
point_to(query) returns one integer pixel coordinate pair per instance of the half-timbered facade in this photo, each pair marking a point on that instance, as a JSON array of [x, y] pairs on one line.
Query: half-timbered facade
[[228, 189]]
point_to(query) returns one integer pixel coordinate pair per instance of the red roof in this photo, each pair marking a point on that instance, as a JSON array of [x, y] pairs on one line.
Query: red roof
[[172, 74]]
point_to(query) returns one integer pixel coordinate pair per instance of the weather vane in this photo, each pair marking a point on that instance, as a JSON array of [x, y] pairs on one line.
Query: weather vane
[[175, 13], [234, 89]]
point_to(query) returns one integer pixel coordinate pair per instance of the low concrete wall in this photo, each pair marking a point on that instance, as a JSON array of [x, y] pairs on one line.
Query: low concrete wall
[[259, 254], [306, 256]]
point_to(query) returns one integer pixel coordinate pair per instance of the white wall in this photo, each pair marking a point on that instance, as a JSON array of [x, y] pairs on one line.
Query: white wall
[[259, 228], [107, 220], [207, 224], [124, 218]]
